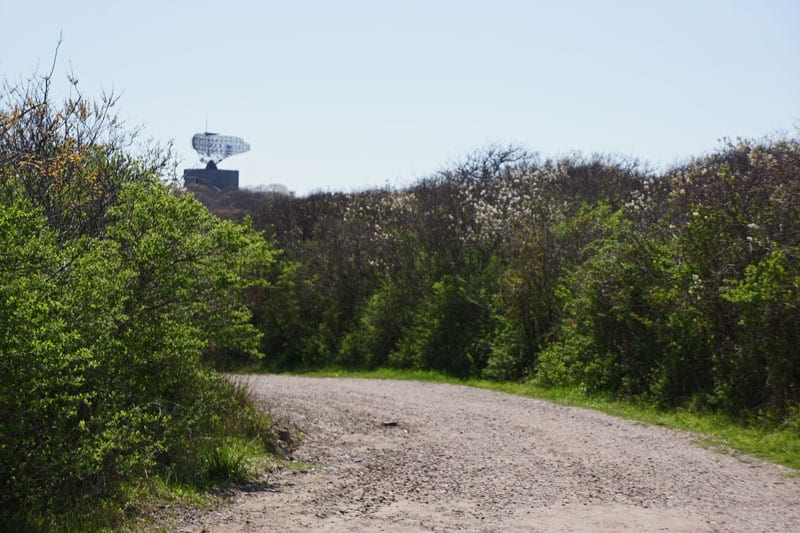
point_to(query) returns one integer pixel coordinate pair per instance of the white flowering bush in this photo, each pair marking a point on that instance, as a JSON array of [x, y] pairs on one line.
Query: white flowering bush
[[593, 270]]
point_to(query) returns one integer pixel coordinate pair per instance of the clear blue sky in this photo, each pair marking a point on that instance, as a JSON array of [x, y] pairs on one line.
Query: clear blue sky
[[343, 95]]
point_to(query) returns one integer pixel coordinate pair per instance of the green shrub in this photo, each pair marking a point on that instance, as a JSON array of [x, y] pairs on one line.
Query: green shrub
[[111, 289], [766, 367], [608, 338], [561, 363], [445, 333], [383, 319]]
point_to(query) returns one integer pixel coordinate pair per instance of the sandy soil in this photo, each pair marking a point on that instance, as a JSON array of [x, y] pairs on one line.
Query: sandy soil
[[408, 456]]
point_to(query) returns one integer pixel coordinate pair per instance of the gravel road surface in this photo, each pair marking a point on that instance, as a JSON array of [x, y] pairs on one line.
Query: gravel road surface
[[405, 456]]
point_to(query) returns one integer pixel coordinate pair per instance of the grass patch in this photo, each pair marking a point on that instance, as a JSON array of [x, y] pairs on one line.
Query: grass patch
[[234, 460], [774, 442]]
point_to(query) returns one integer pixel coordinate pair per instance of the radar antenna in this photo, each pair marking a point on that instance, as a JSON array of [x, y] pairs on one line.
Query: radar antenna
[[213, 147]]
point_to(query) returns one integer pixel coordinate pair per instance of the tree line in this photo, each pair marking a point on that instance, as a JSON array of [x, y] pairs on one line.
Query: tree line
[[680, 287]]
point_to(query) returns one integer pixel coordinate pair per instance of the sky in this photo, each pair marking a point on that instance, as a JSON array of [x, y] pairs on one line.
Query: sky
[[347, 95]]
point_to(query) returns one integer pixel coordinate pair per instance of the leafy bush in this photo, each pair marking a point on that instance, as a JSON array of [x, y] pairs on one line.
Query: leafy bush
[[610, 311], [445, 333], [383, 319], [767, 355], [112, 287]]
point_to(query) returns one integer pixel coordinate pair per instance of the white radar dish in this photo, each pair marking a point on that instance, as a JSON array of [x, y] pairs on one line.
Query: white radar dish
[[214, 147]]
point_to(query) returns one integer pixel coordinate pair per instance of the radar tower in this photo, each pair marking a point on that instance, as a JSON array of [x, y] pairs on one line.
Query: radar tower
[[214, 147]]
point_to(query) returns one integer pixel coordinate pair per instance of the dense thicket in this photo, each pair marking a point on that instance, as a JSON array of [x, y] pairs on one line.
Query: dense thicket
[[112, 288], [681, 286]]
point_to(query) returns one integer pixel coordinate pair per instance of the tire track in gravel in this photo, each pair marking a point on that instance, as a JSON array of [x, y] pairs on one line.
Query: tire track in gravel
[[468, 459]]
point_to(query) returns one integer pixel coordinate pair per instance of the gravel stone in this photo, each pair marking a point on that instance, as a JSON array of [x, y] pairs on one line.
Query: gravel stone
[[456, 458]]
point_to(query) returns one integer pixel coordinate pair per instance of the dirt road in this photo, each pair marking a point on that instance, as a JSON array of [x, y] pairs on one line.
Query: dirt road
[[409, 456]]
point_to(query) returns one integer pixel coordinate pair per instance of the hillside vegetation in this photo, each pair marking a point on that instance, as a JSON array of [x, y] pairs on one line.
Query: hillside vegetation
[[679, 288], [112, 289]]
